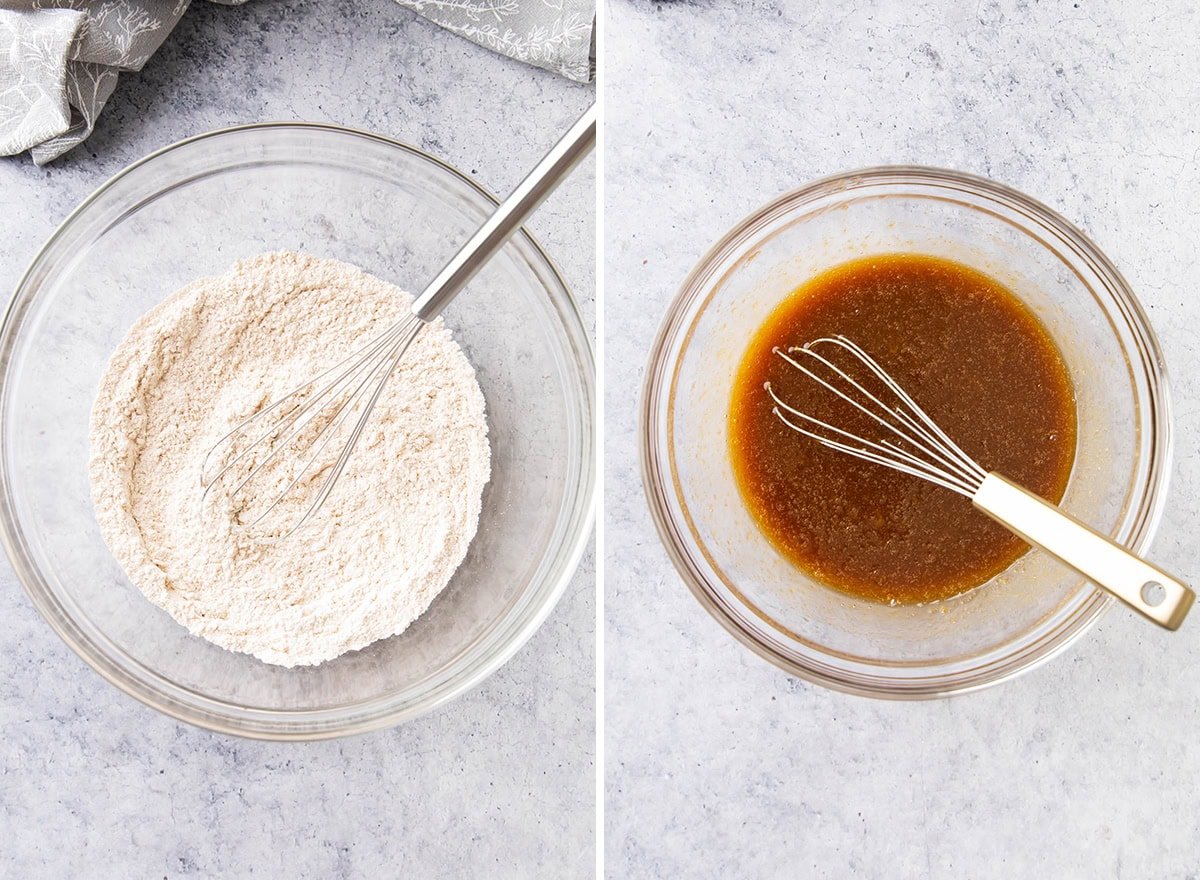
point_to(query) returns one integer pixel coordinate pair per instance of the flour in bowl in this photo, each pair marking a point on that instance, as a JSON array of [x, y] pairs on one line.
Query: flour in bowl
[[401, 516]]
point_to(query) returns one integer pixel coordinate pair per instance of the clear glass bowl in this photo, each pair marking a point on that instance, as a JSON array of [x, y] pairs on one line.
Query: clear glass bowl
[[1028, 612], [192, 209]]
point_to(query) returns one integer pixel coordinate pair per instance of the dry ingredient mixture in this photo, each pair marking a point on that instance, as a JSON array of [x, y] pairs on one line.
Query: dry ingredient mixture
[[973, 356], [401, 516]]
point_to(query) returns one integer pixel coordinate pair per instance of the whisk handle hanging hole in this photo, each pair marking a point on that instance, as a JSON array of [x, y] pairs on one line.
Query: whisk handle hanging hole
[[1144, 587]]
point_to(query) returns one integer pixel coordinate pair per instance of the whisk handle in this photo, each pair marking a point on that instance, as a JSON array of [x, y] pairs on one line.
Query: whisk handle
[[508, 216], [1145, 588]]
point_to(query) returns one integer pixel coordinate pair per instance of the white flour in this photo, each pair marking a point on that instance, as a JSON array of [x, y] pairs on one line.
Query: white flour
[[402, 514]]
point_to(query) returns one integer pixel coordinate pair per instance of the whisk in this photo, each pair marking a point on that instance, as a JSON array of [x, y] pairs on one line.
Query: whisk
[[909, 441], [304, 422]]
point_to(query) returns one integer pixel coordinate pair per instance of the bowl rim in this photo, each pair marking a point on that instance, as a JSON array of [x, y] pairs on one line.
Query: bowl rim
[[659, 478], [326, 723]]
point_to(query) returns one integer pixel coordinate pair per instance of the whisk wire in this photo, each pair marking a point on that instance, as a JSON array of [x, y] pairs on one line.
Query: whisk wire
[[917, 468], [377, 373], [361, 356], [929, 453], [888, 412], [384, 368], [922, 468], [359, 425], [927, 426], [371, 365]]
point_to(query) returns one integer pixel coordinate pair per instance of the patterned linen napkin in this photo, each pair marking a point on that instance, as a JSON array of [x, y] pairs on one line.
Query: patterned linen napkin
[[554, 34], [59, 59]]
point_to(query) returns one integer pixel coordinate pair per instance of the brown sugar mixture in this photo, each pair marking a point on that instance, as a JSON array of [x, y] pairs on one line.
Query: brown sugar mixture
[[972, 356]]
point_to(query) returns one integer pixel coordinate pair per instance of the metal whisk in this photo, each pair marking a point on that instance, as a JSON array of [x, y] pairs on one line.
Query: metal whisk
[[909, 441], [305, 421]]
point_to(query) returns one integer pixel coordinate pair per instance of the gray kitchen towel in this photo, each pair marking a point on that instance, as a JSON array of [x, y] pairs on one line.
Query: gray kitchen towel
[[554, 34], [59, 59]]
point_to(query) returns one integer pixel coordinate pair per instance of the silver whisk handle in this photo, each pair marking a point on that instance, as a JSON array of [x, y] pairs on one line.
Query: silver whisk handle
[[1140, 585], [508, 217]]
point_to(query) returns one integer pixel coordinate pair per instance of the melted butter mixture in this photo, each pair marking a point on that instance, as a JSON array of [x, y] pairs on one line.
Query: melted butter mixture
[[971, 355]]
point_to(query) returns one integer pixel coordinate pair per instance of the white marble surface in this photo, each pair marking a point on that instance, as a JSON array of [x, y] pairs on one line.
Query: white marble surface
[[95, 784], [717, 764]]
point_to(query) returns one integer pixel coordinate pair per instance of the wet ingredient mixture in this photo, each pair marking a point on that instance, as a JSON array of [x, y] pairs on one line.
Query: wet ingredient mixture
[[968, 352]]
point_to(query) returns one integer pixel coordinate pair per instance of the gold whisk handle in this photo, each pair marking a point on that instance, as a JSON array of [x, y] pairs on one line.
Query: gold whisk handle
[[1145, 588]]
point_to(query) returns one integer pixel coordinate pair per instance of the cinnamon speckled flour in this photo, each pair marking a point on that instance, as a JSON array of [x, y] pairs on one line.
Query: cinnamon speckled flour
[[400, 519]]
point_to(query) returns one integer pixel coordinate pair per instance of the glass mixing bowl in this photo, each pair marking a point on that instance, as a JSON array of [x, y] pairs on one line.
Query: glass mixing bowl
[[192, 209], [1028, 612]]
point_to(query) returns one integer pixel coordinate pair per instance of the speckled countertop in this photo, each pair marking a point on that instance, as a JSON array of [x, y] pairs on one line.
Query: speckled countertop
[[719, 765], [95, 784]]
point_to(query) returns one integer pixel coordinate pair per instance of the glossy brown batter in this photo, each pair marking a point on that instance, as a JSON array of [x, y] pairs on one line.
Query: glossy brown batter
[[968, 352]]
